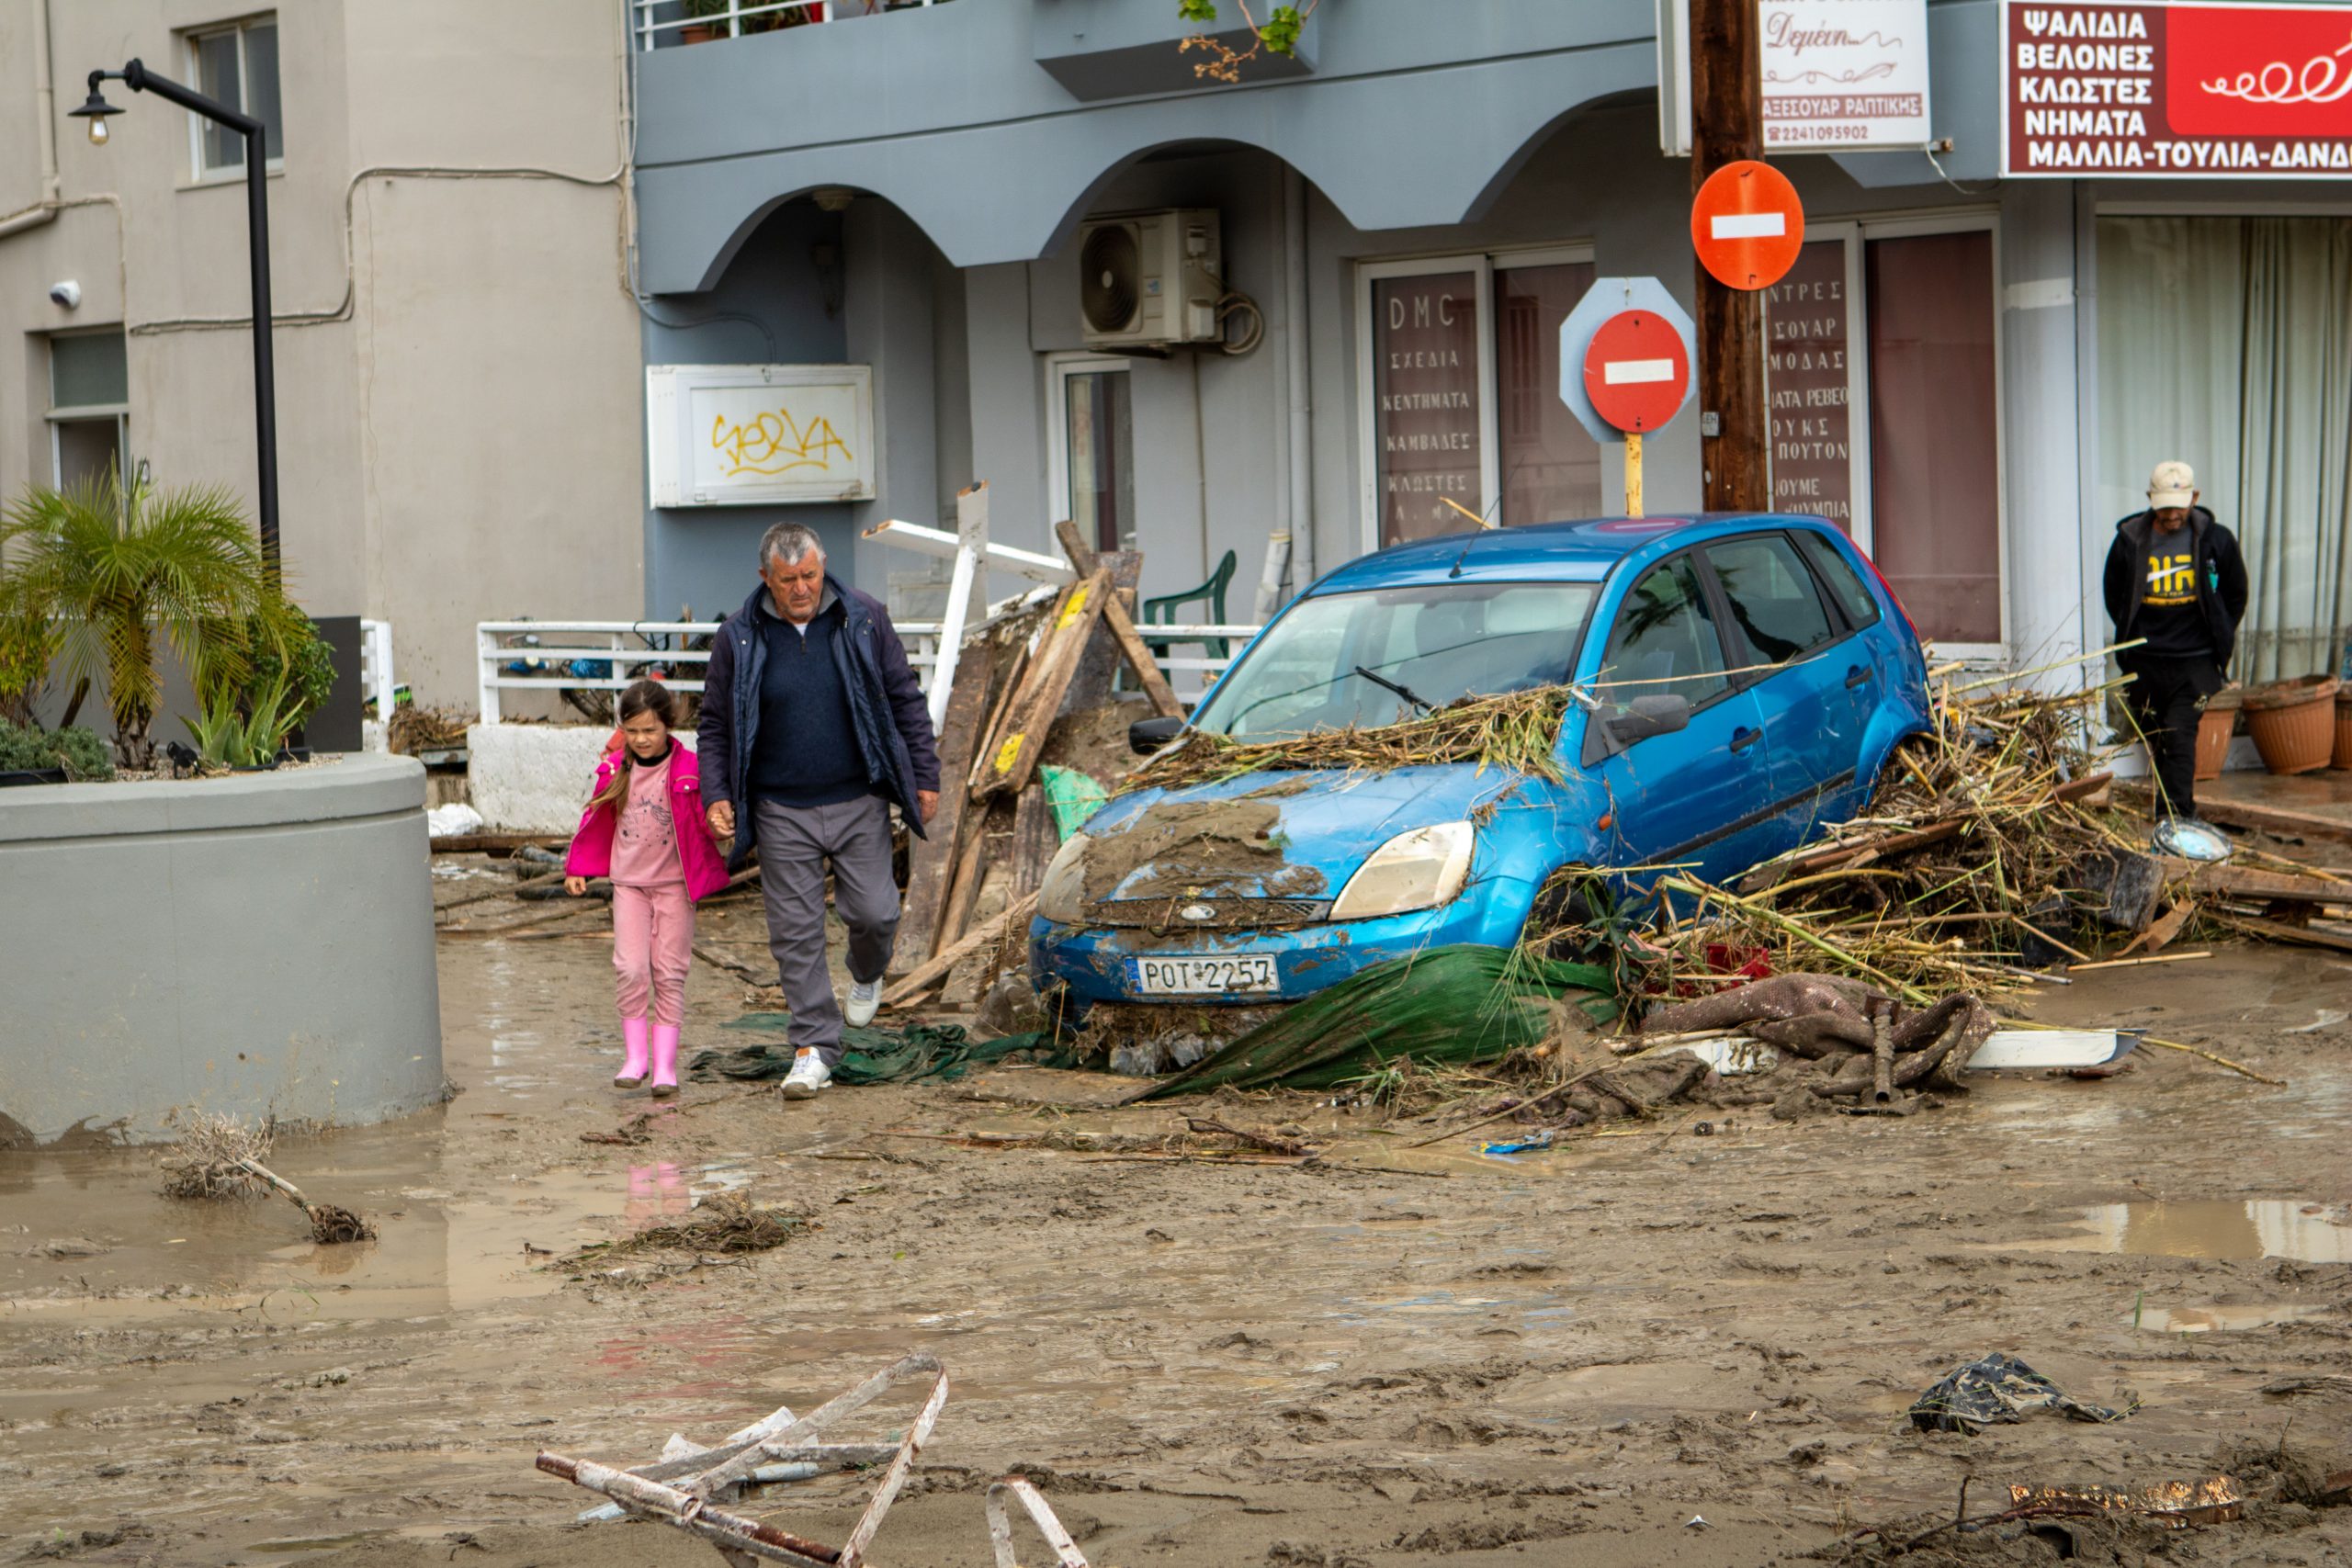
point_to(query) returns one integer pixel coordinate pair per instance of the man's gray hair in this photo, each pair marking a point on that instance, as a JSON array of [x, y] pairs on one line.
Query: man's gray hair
[[790, 543]]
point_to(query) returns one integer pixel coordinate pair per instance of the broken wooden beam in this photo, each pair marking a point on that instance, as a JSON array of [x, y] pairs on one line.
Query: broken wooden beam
[[924, 976]]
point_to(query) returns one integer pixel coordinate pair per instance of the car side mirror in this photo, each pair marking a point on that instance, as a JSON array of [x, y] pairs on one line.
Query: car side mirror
[[1146, 736], [1652, 714]]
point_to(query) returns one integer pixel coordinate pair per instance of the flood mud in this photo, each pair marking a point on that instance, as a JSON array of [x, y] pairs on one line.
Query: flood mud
[[1386, 1356]]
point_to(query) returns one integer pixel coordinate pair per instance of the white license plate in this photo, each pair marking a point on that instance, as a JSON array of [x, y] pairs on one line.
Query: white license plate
[[1203, 976]]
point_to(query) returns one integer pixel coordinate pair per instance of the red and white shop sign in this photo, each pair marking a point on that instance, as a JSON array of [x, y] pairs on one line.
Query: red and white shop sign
[[2162, 90]]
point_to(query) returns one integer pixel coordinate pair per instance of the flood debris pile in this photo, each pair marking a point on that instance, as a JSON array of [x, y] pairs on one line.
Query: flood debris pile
[[723, 1225], [220, 1157], [1516, 731]]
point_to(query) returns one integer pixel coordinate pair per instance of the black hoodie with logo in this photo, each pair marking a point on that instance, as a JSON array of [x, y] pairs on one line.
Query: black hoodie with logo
[[2169, 602]]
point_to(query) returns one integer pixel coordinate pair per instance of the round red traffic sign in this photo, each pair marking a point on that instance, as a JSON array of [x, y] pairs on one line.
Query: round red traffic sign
[[1638, 371], [1746, 224]]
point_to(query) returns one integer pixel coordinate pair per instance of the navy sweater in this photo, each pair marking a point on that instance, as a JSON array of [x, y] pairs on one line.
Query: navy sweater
[[806, 753]]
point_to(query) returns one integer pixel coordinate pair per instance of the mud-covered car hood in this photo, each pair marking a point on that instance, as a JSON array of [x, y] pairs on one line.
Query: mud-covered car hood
[[1273, 835]]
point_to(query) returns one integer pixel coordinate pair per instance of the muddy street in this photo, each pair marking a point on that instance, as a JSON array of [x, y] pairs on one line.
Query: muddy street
[[1389, 1356]]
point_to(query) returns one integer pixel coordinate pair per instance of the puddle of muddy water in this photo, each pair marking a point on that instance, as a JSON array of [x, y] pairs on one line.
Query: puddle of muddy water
[[2221, 1231], [2221, 1319]]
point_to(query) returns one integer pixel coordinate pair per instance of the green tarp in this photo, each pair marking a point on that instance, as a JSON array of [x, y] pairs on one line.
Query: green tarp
[[871, 1055], [1448, 1006]]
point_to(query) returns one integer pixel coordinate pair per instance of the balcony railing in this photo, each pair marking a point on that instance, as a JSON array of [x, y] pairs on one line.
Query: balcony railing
[[662, 23]]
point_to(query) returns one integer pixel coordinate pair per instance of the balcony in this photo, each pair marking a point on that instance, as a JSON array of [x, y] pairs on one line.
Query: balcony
[[668, 24]]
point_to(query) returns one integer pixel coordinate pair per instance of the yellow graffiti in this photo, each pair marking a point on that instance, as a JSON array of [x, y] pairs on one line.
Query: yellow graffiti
[[776, 444], [1075, 608], [1009, 753]]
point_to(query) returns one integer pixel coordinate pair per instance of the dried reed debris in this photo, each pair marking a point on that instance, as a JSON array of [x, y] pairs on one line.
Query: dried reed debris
[[1518, 731]]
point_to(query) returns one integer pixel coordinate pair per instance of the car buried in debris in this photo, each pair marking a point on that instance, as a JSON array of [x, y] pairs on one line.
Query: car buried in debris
[[1738, 681]]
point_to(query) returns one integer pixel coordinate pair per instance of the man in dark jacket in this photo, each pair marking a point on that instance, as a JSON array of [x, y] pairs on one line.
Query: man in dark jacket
[[812, 729], [2175, 581]]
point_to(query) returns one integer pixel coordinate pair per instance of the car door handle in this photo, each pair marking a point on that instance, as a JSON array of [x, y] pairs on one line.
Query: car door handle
[[1741, 739], [1858, 675]]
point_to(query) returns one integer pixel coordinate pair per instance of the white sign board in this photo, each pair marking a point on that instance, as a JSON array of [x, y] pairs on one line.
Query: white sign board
[[1842, 75], [759, 434]]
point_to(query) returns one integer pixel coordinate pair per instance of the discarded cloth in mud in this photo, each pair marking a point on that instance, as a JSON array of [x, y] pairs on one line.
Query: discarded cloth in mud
[[1854, 1043], [920, 1052], [1998, 1389], [1450, 1006]]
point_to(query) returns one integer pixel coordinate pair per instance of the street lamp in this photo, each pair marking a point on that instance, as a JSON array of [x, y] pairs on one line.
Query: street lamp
[[96, 110]]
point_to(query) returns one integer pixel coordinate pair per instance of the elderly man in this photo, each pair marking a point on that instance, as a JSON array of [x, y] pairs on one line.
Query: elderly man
[[812, 729], [2176, 583]]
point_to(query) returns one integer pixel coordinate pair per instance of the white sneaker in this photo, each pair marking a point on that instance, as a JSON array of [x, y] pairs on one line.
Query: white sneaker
[[808, 1075], [864, 997]]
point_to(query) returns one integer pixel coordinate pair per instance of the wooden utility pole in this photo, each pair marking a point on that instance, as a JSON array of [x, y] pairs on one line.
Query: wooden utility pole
[[1726, 125]]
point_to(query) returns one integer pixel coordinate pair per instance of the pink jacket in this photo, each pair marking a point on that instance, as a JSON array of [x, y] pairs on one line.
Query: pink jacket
[[592, 845]]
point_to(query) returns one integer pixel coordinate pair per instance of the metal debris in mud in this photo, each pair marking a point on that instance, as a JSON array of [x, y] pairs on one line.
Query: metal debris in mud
[[724, 1224], [683, 1487]]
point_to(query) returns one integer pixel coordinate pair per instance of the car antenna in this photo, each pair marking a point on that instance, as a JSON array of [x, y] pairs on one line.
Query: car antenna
[[1484, 523]]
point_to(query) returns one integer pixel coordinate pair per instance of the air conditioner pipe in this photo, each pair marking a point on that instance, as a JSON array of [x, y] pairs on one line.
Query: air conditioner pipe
[[45, 106], [1294, 357]]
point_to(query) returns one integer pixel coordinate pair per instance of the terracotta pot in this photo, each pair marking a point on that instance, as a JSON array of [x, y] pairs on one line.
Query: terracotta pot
[[2293, 723], [2214, 728], [2343, 758], [696, 32]]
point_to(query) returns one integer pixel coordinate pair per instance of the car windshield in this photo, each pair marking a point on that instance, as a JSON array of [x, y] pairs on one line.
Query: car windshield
[[1369, 658]]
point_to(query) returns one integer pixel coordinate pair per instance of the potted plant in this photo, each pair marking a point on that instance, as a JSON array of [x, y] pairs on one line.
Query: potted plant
[[114, 573], [2293, 723], [707, 20]]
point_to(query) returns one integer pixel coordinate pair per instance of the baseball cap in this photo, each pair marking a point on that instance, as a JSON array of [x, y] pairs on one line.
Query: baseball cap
[[2174, 484]]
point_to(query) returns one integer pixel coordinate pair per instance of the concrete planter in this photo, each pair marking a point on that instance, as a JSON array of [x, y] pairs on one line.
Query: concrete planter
[[259, 946]]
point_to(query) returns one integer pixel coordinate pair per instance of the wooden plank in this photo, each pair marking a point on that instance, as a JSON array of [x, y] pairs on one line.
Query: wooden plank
[[1098, 667], [2228, 881], [1132, 648], [1013, 680], [1033, 841], [966, 888], [925, 976], [931, 862], [497, 843], [2279, 931], [2271, 819], [1011, 758], [1074, 544]]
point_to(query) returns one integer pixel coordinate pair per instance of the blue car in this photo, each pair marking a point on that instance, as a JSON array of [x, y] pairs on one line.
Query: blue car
[[1746, 676]]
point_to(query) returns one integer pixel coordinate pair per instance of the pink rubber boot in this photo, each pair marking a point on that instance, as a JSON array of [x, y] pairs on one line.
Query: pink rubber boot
[[632, 1071], [665, 1060]]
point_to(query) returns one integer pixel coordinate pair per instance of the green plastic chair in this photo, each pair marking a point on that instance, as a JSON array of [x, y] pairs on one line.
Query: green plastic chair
[[1161, 611]]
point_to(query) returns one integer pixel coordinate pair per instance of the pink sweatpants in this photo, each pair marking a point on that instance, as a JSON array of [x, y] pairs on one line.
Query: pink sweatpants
[[654, 937]]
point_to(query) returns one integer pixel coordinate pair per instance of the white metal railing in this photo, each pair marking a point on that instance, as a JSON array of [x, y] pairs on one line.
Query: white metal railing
[[662, 23], [376, 681], [606, 656]]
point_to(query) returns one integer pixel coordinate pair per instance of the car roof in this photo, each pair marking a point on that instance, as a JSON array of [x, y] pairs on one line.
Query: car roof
[[1577, 552]]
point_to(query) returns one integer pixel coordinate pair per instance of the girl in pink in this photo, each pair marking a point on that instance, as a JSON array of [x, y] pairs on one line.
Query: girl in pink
[[645, 829]]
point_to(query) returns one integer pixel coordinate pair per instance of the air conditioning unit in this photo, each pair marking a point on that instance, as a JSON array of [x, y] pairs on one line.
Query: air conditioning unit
[[1150, 279]]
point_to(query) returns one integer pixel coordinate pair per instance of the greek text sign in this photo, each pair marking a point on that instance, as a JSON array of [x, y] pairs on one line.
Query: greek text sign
[[758, 434], [2163, 90], [1844, 74]]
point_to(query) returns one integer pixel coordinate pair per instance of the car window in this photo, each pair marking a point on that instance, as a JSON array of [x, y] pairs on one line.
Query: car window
[[1846, 584], [1771, 597], [1336, 659], [1666, 642]]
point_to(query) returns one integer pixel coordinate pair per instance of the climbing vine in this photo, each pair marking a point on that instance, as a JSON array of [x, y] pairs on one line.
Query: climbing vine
[[1278, 34]]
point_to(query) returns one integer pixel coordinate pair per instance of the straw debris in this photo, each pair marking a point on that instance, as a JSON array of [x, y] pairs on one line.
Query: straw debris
[[1516, 732], [210, 1159], [723, 1224]]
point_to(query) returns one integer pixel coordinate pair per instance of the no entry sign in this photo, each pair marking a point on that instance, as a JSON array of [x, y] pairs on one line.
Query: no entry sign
[[1747, 225], [1636, 372]]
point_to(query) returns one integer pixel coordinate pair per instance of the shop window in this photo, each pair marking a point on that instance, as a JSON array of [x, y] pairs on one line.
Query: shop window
[[1463, 417], [236, 65], [1094, 484], [89, 408], [1551, 464], [1900, 325]]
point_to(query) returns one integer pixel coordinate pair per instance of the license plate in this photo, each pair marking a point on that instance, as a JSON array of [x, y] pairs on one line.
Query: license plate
[[1203, 976]]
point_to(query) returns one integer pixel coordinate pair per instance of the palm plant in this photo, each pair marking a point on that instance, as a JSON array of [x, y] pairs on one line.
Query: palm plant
[[116, 571]]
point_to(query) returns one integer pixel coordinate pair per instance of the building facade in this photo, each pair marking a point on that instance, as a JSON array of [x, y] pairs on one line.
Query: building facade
[[459, 396], [1973, 373]]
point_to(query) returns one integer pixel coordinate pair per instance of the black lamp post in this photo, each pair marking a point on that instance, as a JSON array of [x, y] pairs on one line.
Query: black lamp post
[[95, 109]]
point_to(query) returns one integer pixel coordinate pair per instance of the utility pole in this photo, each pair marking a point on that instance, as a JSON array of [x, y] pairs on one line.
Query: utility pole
[[1726, 125]]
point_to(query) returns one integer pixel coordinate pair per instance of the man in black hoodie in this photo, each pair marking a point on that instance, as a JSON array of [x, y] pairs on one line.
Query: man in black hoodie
[[2175, 580]]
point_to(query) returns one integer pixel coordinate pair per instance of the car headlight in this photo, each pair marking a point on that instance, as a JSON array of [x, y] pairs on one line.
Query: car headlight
[[1412, 871], [1063, 891]]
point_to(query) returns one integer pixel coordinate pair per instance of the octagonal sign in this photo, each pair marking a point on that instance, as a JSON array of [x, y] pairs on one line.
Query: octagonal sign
[[1610, 296]]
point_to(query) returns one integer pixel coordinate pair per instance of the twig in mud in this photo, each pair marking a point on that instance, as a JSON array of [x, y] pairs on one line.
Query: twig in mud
[[330, 1223], [725, 1223], [208, 1161]]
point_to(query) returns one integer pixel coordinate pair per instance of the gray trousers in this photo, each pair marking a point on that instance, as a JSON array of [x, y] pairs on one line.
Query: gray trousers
[[795, 843]]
